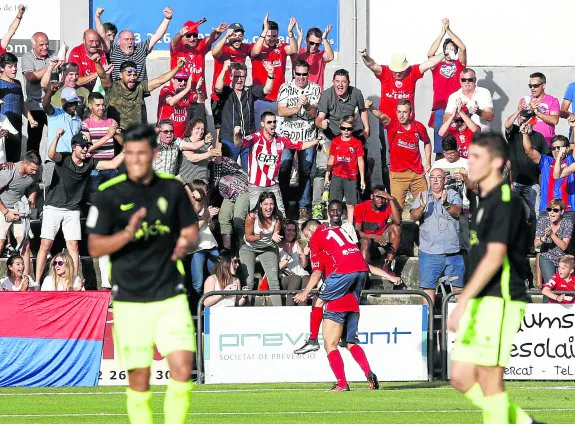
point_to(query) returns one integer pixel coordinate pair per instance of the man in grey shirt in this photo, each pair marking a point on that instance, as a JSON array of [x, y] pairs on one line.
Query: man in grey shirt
[[438, 213], [15, 182], [34, 64]]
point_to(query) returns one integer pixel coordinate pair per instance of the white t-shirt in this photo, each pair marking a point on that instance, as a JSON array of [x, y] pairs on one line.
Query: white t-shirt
[[48, 284], [5, 125], [294, 264], [481, 97], [300, 126], [452, 183], [7, 284]]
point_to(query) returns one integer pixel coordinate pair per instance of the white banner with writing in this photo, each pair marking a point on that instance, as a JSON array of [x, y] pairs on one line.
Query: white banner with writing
[[544, 347], [255, 345]]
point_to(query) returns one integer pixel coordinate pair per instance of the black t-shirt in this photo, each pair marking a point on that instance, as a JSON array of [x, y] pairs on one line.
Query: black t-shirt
[[523, 170], [142, 271], [500, 217], [69, 183], [239, 112]]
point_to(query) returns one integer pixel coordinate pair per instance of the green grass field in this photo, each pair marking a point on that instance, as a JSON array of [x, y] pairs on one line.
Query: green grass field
[[550, 402]]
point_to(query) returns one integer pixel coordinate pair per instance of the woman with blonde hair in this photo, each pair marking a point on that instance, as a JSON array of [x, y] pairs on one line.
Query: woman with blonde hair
[[62, 275]]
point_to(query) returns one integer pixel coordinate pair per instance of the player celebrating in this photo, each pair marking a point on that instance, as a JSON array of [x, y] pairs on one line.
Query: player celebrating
[[145, 222], [490, 308]]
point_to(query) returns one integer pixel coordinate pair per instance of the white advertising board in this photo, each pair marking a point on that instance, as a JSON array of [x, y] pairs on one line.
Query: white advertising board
[[255, 345], [544, 347]]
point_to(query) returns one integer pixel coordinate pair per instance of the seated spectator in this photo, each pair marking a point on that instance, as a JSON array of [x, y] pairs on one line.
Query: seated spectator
[[371, 222], [206, 252], [293, 261], [459, 125], [552, 237], [544, 107], [17, 279], [70, 72], [345, 162], [563, 280], [439, 251], [62, 276], [195, 162], [224, 278], [232, 184], [456, 170], [263, 226]]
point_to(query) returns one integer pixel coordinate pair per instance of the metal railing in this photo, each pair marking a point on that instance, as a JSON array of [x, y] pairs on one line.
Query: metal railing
[[364, 293]]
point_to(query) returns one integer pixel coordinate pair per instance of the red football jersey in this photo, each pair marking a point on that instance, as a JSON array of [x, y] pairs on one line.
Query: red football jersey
[[404, 146], [371, 221], [277, 57], [80, 57], [345, 155], [177, 113], [559, 284], [394, 90], [333, 251], [445, 82], [196, 60], [233, 55], [463, 140], [2, 50]]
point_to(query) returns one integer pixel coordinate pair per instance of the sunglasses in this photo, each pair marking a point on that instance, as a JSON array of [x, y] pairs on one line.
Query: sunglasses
[[556, 147], [342, 128], [467, 79], [130, 71], [167, 131], [191, 35], [270, 122], [311, 43], [58, 263], [556, 210], [301, 74], [534, 85], [238, 76]]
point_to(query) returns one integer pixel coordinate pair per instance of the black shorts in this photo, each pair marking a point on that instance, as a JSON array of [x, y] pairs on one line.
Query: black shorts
[[341, 187], [217, 106]]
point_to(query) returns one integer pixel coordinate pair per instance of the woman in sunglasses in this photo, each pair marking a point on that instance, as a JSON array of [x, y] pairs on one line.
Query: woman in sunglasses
[[62, 276], [552, 237], [224, 278], [16, 280]]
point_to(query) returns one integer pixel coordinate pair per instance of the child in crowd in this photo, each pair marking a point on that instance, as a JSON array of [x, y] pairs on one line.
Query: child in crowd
[[345, 160], [460, 125], [562, 280]]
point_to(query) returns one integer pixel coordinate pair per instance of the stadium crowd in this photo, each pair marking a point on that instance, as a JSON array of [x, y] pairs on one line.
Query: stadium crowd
[[284, 139]]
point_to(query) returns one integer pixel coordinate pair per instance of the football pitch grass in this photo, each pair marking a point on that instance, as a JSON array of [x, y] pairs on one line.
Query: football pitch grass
[[550, 402]]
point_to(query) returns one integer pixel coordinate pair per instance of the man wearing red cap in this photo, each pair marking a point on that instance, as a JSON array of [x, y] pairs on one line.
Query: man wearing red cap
[[269, 49], [175, 100]]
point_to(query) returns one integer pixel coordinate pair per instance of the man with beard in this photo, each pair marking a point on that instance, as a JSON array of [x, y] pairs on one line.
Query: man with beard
[[82, 56]]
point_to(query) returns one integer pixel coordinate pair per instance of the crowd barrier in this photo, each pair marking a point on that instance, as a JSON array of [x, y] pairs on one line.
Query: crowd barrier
[[256, 344], [543, 349]]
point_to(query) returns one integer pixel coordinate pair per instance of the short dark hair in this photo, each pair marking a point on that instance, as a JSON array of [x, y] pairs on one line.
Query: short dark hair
[[540, 76], [302, 63], [341, 73], [141, 132], [94, 95], [314, 31], [450, 41], [8, 59], [449, 143], [238, 66], [493, 142], [33, 157], [128, 64], [467, 70], [334, 202], [379, 187], [66, 67], [272, 25], [109, 26], [405, 102], [266, 113], [310, 221], [562, 138]]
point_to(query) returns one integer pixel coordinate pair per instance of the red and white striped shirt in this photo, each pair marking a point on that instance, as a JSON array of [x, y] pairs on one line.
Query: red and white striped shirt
[[266, 156]]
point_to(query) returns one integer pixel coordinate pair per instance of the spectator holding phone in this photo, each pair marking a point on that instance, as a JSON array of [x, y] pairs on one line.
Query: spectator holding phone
[[562, 280]]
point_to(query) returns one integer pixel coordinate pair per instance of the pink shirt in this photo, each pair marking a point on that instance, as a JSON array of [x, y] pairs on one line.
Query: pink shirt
[[547, 105]]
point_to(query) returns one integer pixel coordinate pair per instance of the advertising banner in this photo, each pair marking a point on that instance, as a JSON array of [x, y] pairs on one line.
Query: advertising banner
[[544, 347], [255, 345]]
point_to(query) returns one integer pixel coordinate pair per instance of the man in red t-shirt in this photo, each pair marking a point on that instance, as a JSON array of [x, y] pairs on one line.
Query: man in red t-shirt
[[81, 55], [231, 47], [316, 58], [406, 171], [12, 28], [445, 76], [269, 49], [187, 44], [370, 220]]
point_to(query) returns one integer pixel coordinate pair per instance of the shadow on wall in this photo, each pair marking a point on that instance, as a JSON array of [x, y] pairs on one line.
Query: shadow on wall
[[500, 99]]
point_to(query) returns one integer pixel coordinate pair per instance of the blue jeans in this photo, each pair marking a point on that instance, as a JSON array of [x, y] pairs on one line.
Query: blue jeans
[[200, 259], [305, 160], [547, 267], [529, 194], [437, 123], [433, 267], [230, 150]]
